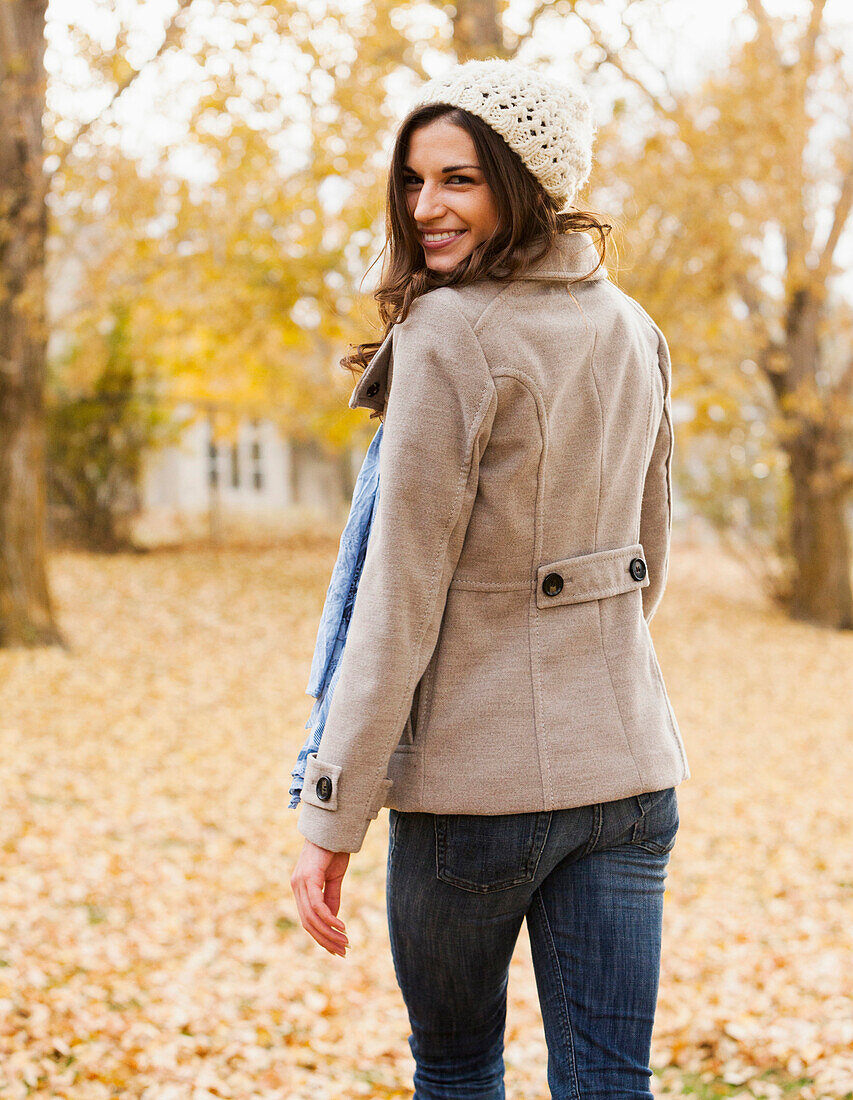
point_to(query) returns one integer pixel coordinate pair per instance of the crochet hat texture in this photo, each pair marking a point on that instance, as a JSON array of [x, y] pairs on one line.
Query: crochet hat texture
[[548, 122]]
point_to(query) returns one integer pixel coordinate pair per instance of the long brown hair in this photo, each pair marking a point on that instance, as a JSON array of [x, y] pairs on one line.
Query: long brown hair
[[528, 222]]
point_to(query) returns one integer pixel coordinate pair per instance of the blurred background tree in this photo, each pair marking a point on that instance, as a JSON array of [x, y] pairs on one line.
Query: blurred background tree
[[737, 196], [95, 445], [238, 225], [25, 610]]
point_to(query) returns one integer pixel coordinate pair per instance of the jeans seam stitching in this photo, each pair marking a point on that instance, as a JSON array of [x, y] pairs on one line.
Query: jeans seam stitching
[[650, 846], [565, 1015], [597, 818], [541, 847]]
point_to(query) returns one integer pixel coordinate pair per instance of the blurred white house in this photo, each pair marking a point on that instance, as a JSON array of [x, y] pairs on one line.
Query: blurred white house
[[258, 480]]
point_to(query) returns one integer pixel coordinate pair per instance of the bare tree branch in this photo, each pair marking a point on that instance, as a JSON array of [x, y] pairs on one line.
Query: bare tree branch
[[839, 220], [171, 33], [811, 36], [757, 314], [659, 72], [844, 386], [613, 57], [765, 28]]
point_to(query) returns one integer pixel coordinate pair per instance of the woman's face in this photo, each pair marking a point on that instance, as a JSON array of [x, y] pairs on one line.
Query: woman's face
[[453, 207]]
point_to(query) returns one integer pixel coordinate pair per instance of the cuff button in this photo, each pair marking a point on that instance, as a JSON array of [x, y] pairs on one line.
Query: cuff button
[[372, 389], [324, 788], [637, 568]]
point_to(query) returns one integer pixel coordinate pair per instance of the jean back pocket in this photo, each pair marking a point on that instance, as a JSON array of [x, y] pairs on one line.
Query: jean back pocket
[[485, 852]]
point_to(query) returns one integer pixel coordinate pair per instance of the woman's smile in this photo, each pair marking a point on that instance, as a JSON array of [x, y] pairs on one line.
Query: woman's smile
[[441, 239]]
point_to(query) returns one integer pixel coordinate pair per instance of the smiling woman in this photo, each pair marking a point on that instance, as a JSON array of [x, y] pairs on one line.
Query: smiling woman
[[498, 690], [453, 212], [462, 204]]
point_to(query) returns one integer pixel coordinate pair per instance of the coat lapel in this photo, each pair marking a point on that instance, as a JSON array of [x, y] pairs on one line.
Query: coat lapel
[[371, 389]]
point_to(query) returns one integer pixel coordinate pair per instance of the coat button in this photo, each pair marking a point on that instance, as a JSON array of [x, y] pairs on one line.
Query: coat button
[[372, 389], [324, 788], [637, 568], [553, 584]]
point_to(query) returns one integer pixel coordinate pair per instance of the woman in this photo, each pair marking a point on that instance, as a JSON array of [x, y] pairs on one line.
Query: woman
[[499, 689]]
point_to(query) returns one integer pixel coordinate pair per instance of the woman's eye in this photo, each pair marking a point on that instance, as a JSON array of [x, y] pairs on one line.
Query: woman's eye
[[410, 181]]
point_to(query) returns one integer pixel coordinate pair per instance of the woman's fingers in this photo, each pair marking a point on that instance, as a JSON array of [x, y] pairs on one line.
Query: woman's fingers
[[332, 898], [331, 939], [323, 916], [318, 933], [309, 919], [308, 882]]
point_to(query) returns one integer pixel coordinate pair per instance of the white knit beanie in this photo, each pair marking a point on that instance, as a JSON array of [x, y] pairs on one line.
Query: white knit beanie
[[547, 122]]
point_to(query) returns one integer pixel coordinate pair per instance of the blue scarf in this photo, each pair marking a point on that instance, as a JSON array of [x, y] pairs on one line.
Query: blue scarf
[[337, 610]]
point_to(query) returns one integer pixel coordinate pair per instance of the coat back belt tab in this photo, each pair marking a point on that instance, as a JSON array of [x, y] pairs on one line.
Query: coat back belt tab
[[591, 576]]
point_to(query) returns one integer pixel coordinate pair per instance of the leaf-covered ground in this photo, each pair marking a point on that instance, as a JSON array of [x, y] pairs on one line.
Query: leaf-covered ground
[[149, 945]]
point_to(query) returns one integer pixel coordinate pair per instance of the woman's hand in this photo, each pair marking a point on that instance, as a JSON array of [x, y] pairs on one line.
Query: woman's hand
[[316, 885]]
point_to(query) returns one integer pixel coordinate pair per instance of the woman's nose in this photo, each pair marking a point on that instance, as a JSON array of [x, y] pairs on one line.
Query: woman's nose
[[429, 204]]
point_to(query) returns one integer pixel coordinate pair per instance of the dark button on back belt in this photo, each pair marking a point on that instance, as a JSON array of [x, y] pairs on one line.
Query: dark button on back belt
[[637, 568], [324, 788], [552, 585], [372, 389]]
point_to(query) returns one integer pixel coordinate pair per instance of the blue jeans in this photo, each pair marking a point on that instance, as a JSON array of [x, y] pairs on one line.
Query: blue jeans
[[590, 881]]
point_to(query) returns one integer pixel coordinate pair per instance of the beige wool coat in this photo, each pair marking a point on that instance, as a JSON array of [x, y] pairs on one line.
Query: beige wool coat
[[498, 658]]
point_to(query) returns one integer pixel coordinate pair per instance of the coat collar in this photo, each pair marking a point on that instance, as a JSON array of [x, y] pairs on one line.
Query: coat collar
[[572, 256]]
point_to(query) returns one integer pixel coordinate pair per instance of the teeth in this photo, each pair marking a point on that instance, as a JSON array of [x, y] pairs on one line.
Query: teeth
[[442, 236]]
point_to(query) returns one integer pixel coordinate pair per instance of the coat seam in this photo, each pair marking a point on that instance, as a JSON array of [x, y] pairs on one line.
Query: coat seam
[[650, 439], [659, 676], [598, 602], [486, 309], [541, 732], [492, 586], [615, 693], [601, 423], [665, 415], [461, 482]]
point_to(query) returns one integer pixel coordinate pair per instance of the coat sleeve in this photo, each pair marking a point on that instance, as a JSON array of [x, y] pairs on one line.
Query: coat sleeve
[[438, 418], [656, 514]]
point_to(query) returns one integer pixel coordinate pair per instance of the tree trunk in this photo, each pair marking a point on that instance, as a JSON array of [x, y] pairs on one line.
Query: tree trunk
[[477, 30], [820, 545], [26, 616], [820, 542]]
